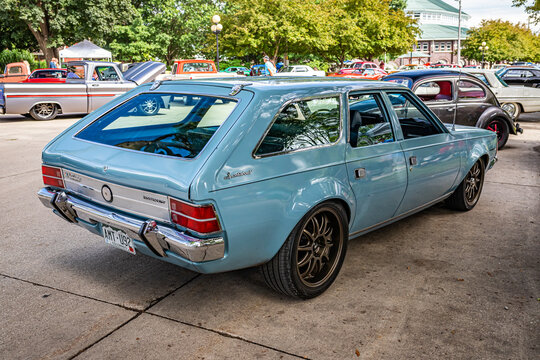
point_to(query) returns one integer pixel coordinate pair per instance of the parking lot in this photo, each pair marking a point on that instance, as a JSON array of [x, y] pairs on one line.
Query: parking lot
[[438, 285]]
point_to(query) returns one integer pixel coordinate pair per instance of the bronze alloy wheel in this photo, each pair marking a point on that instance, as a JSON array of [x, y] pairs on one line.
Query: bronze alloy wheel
[[473, 183], [311, 257], [319, 247]]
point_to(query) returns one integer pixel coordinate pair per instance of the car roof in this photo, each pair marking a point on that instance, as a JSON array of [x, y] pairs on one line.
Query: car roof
[[292, 83], [425, 73]]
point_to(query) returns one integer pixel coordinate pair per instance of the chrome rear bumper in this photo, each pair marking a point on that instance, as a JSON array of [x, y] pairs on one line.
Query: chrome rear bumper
[[159, 239]]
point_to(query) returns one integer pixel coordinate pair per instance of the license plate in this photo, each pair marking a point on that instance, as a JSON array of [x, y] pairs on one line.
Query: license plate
[[118, 238]]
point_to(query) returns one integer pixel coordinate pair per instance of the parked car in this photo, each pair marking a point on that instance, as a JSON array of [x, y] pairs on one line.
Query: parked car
[[271, 172], [241, 70], [47, 76], [366, 74], [513, 99], [299, 70], [195, 69], [15, 72], [444, 66], [408, 67], [258, 70], [88, 85], [521, 75], [358, 65], [460, 97]]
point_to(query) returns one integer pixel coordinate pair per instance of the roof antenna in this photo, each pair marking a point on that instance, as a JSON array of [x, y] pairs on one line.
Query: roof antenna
[[457, 99]]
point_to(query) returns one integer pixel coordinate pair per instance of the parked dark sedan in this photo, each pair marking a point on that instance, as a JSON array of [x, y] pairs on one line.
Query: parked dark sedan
[[524, 75], [459, 97]]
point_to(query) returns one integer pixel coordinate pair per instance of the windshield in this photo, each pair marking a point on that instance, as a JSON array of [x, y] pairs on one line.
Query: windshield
[[167, 124]]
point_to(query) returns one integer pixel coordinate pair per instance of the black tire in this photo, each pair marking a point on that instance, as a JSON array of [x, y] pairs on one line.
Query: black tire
[[43, 112], [468, 192], [500, 127], [307, 249], [150, 106]]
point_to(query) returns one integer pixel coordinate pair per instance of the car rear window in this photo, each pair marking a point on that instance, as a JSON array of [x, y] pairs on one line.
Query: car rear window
[[166, 124]]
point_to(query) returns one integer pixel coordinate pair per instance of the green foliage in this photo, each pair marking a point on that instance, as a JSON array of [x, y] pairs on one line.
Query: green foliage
[[166, 29], [59, 22], [16, 55], [532, 7], [398, 4], [506, 41], [333, 29]]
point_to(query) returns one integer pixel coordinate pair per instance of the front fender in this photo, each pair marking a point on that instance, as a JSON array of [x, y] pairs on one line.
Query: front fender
[[492, 113]]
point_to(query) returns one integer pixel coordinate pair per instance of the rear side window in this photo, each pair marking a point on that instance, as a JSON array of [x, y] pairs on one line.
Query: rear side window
[[368, 125], [470, 90], [166, 124], [303, 124], [436, 91]]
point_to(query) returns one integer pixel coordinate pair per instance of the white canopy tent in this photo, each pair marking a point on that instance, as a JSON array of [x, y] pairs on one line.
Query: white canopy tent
[[85, 50]]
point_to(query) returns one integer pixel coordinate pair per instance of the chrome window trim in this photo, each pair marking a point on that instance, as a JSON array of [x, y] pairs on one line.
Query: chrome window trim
[[287, 103], [237, 100], [380, 103]]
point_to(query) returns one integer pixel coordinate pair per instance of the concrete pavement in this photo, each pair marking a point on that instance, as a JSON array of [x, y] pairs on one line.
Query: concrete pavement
[[439, 284]]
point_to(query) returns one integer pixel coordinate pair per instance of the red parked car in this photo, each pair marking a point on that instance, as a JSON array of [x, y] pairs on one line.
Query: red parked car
[[47, 76], [369, 74], [358, 65]]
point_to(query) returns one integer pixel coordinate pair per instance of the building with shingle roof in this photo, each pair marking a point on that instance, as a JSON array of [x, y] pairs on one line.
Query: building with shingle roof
[[438, 22]]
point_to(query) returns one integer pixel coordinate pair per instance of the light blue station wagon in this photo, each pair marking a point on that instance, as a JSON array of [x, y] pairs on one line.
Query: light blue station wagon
[[217, 175]]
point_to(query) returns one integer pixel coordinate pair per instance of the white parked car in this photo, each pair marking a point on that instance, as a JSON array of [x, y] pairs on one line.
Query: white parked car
[[514, 99], [299, 70]]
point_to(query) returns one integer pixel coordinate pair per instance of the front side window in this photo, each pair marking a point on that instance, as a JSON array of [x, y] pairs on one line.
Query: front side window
[[105, 73], [413, 120], [367, 123], [436, 91], [166, 124], [470, 90], [303, 124]]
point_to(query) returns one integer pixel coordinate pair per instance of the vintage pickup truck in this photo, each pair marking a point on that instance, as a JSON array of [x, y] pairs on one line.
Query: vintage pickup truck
[[89, 85], [194, 69], [15, 72]]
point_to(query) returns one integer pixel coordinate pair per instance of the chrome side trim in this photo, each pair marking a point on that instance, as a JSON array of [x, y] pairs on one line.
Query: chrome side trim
[[158, 238], [399, 217]]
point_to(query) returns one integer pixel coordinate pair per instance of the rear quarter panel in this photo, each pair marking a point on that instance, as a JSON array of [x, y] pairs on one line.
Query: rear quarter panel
[[260, 200]]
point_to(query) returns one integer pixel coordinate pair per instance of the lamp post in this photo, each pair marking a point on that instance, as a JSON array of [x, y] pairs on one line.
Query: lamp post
[[216, 29], [483, 48]]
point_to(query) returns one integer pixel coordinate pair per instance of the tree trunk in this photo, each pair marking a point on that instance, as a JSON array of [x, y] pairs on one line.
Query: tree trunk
[[42, 36]]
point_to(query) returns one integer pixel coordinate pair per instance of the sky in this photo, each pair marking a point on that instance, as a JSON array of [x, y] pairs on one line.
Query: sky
[[492, 9]]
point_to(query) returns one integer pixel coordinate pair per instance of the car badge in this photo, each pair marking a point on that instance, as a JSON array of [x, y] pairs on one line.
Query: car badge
[[107, 194]]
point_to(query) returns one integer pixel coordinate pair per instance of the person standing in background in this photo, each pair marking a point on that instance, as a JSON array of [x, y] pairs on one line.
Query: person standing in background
[[54, 63], [269, 66]]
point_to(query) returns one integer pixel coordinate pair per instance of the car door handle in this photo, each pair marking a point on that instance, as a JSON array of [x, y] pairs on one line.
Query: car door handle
[[95, 85], [360, 173], [413, 161], [450, 109]]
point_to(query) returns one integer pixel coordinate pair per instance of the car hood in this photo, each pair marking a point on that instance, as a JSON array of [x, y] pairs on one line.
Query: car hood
[[144, 72]]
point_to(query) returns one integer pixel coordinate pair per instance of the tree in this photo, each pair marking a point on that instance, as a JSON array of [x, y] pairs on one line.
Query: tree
[[167, 29], [531, 7], [366, 29], [58, 22], [272, 27], [15, 34], [506, 41]]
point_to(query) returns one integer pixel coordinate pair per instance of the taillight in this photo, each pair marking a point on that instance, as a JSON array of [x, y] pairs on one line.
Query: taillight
[[201, 219], [52, 176]]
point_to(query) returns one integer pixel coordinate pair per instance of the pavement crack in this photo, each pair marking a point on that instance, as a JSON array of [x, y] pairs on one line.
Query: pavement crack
[[22, 173], [72, 293], [228, 335], [505, 183]]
